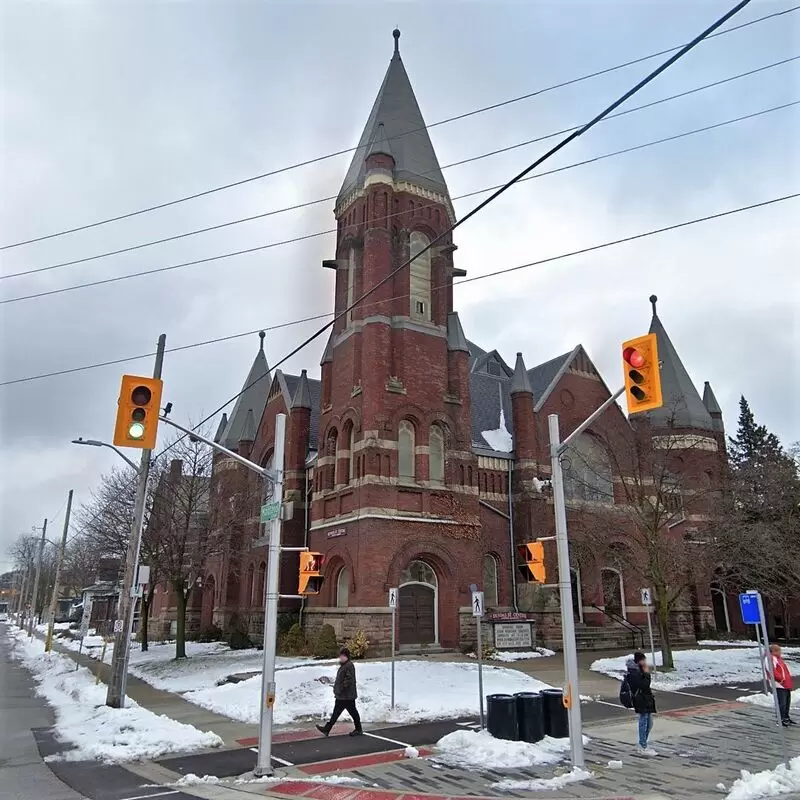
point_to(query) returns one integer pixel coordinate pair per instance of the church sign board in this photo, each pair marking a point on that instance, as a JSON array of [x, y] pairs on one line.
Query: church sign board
[[508, 635]]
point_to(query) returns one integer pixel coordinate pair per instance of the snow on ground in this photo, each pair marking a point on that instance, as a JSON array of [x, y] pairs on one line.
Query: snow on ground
[[544, 784], [480, 750], [424, 690], [769, 783], [95, 730], [509, 657], [732, 643], [699, 667], [767, 701]]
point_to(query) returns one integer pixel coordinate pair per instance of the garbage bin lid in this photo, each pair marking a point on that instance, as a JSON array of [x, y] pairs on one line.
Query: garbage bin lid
[[552, 691], [527, 694], [499, 697]]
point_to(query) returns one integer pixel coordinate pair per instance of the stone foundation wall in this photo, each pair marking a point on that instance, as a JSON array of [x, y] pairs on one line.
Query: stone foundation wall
[[376, 623]]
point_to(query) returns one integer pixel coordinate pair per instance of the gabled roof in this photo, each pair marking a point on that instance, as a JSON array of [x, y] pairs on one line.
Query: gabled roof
[[253, 398], [396, 110], [712, 406], [315, 393], [682, 407]]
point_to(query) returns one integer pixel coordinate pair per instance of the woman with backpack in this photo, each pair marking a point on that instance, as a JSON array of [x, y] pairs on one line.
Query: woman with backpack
[[636, 693]]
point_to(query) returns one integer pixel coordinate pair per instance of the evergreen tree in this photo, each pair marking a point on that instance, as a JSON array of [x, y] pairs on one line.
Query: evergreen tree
[[753, 444]]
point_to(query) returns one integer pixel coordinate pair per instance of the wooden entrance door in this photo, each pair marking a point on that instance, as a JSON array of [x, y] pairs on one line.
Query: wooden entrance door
[[417, 614]]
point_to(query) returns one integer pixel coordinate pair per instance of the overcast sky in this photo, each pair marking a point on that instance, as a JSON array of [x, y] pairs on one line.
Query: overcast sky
[[109, 107]]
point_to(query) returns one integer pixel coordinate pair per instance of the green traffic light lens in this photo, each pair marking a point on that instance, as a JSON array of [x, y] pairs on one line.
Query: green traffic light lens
[[136, 430], [138, 415]]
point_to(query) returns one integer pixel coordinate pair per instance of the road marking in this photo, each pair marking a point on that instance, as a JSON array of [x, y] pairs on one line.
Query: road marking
[[698, 696], [383, 738], [275, 758], [145, 796], [613, 705], [465, 724]]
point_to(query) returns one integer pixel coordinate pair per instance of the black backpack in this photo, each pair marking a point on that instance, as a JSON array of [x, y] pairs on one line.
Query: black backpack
[[625, 693]]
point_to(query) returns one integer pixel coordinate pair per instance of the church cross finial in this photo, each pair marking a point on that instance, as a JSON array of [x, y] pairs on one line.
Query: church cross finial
[[653, 301], [396, 34], [261, 336]]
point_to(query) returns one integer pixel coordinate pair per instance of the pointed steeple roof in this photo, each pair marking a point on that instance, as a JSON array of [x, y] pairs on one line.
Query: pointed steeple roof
[[327, 356], [223, 423], [682, 407], [248, 433], [302, 394], [712, 406], [520, 382], [396, 112], [253, 398], [455, 333]]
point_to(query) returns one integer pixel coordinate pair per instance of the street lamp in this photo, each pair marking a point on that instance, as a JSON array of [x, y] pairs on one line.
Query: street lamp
[[98, 443]]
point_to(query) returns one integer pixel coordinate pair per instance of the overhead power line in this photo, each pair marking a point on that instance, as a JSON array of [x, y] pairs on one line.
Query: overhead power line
[[444, 235], [344, 151], [327, 231], [315, 317], [307, 204]]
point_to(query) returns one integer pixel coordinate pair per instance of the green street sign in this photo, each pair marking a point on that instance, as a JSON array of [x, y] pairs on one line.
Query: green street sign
[[270, 511]]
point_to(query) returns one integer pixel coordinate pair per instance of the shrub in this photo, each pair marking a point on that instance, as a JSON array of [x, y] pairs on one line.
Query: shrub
[[287, 621], [293, 642], [213, 633], [239, 640], [326, 645], [358, 645]]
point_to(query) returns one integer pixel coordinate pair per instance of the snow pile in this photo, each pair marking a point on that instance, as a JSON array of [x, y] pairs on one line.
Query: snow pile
[[425, 690], [544, 784], [508, 657], [769, 783], [480, 750], [342, 780], [190, 779], [411, 752], [698, 667], [96, 730], [499, 439], [732, 643], [767, 701]]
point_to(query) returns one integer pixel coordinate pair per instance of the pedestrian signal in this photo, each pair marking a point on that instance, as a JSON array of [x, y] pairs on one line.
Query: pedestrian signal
[[311, 577], [531, 556], [137, 415], [642, 374]]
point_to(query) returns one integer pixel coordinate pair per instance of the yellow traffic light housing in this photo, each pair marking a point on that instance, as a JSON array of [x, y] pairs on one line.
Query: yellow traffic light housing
[[642, 374], [532, 557], [311, 578], [137, 415]]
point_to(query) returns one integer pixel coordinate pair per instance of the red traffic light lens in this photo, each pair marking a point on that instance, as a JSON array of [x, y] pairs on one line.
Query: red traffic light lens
[[633, 357], [141, 395]]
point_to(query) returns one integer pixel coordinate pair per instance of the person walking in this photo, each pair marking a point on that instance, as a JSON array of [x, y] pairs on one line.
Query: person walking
[[783, 683], [345, 694], [644, 704]]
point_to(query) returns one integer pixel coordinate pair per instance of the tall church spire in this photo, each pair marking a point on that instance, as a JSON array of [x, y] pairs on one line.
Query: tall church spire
[[395, 126], [682, 407]]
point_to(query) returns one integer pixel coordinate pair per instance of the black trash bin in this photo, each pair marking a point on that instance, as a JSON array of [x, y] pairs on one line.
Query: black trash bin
[[556, 720], [530, 716], [501, 716]]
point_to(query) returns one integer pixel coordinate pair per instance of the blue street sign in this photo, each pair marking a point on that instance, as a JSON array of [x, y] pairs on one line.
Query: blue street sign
[[749, 605]]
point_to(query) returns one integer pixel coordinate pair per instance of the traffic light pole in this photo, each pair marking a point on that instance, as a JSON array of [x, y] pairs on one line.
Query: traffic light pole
[[271, 585], [115, 696], [51, 617], [572, 697]]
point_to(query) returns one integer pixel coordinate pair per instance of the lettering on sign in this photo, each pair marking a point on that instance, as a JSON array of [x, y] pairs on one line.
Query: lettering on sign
[[336, 532], [508, 616], [513, 634]]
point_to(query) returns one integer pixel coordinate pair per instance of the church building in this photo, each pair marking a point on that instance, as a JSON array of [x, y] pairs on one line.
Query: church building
[[419, 459]]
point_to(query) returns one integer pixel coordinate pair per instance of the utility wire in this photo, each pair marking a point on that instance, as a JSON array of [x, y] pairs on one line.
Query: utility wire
[[309, 203], [315, 317], [444, 235], [335, 153]]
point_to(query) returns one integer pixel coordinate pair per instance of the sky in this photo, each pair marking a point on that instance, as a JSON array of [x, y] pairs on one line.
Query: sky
[[109, 107]]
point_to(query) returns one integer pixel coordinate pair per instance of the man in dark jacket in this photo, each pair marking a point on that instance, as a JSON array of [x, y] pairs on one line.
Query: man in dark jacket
[[644, 704], [345, 694]]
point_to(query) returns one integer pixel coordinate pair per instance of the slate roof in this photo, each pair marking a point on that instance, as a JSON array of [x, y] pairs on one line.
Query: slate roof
[[253, 398], [397, 111], [315, 391], [682, 407]]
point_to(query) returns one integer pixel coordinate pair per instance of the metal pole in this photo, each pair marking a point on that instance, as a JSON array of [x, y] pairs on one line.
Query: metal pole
[[22, 597], [763, 659], [394, 611], [774, 685], [271, 590], [51, 621], [480, 670], [573, 695], [650, 631], [115, 696], [31, 620]]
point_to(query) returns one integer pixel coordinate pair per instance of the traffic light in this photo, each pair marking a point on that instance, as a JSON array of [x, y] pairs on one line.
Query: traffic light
[[642, 374], [311, 577], [532, 557], [137, 415]]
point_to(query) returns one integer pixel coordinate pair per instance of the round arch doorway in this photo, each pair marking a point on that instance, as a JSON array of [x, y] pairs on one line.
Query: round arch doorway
[[418, 605]]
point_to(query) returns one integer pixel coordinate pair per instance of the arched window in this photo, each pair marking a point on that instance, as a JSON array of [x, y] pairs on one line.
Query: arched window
[[351, 282], [405, 451], [350, 434], [436, 455], [588, 472], [331, 444], [248, 586], [258, 586], [343, 588], [420, 288], [418, 572], [490, 581]]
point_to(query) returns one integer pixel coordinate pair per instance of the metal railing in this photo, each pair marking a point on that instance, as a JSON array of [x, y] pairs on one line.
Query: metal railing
[[632, 628]]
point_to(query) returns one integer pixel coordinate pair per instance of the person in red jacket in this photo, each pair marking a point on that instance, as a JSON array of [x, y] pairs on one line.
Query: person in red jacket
[[783, 684]]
